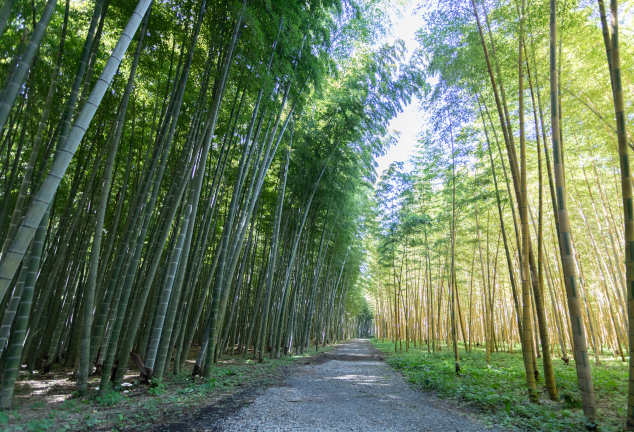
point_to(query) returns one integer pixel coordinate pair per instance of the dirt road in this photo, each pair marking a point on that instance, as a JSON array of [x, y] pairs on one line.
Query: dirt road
[[349, 389]]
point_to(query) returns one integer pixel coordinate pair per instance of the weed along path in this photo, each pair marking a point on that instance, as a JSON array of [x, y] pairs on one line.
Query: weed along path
[[347, 389]]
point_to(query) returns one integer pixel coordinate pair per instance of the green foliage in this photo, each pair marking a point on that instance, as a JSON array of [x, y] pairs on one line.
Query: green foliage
[[226, 372], [206, 386], [40, 425], [157, 387], [109, 398], [4, 419], [69, 404], [569, 400], [498, 391]]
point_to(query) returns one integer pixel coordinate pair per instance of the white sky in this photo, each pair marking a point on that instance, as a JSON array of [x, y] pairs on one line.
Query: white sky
[[409, 121]]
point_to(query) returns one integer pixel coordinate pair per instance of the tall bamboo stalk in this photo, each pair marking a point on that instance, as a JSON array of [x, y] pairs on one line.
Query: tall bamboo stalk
[[582, 362]]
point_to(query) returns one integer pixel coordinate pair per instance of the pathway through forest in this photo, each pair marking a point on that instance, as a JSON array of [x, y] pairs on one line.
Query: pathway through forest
[[352, 390]]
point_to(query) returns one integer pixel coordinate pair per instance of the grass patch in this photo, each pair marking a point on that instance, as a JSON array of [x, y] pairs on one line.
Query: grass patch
[[50, 403], [497, 393]]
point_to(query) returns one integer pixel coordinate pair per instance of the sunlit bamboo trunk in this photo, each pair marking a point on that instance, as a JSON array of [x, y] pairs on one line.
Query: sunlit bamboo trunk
[[582, 362]]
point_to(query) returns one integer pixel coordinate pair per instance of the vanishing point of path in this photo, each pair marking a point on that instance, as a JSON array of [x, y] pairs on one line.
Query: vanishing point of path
[[353, 390]]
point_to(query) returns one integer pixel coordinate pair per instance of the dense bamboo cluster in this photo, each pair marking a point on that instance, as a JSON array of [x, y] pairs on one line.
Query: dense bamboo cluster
[[513, 228], [185, 174]]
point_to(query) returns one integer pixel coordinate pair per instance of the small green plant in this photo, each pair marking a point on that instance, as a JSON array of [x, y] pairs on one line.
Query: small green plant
[[208, 385], [90, 422], [569, 400], [189, 389], [40, 425], [109, 398], [157, 387], [68, 404], [227, 372], [4, 419]]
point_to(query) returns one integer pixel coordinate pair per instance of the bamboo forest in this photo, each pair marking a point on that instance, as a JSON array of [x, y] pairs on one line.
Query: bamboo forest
[[208, 221]]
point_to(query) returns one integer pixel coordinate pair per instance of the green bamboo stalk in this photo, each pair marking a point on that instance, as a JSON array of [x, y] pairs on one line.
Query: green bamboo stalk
[[5, 11], [175, 195], [285, 286], [527, 342], [582, 363], [12, 258], [94, 49], [130, 334], [272, 260], [12, 308], [16, 79], [26, 181], [84, 364], [626, 192], [159, 319], [57, 262], [14, 353]]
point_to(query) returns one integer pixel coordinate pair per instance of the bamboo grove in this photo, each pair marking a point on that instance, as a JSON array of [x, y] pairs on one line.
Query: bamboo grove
[[511, 227], [186, 174]]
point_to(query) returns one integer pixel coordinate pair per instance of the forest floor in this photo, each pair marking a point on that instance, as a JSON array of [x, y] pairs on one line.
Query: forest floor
[[349, 389], [496, 392], [179, 402]]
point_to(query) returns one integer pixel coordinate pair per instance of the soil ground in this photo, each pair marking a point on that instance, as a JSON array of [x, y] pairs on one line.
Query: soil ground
[[347, 389]]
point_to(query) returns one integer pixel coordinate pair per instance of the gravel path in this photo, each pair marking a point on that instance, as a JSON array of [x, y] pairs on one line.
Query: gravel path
[[352, 391]]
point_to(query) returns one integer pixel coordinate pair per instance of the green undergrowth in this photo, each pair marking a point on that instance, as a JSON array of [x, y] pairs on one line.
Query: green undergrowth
[[497, 394], [134, 406]]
